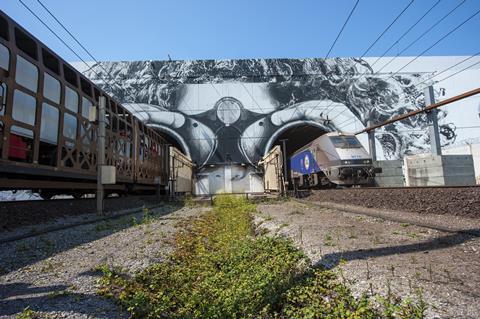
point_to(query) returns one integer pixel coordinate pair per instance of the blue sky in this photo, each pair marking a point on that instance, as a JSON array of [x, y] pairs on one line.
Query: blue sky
[[221, 29]]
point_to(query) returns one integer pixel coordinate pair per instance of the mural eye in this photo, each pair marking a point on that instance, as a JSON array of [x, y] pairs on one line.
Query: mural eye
[[228, 110], [260, 123], [195, 124]]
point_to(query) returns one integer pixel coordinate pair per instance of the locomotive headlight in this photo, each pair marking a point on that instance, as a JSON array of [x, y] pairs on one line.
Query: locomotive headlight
[[367, 161], [346, 162]]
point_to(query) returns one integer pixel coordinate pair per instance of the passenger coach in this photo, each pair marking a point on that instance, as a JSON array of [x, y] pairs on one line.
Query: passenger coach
[[47, 143]]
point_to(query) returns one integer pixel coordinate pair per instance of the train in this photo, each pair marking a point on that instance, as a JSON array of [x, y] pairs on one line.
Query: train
[[334, 159], [47, 142]]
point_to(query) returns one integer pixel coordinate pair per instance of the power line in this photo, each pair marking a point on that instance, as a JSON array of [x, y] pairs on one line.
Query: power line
[[343, 27], [435, 75], [438, 41], [423, 34], [430, 47], [387, 28], [109, 83], [378, 38], [426, 50], [405, 33]]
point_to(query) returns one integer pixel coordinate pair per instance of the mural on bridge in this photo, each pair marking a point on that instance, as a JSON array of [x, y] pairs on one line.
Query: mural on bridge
[[231, 111]]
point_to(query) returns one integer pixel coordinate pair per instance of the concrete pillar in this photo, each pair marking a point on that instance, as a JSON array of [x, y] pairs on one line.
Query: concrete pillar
[[432, 116], [100, 152], [371, 142], [228, 178]]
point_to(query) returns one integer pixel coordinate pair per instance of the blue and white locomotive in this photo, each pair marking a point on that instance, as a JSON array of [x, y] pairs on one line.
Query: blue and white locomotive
[[332, 159]]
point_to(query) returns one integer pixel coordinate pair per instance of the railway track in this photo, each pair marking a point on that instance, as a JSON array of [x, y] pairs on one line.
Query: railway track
[[14, 214], [93, 220], [454, 201]]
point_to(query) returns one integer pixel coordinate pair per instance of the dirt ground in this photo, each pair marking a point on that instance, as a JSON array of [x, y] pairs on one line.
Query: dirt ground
[[375, 255], [53, 274]]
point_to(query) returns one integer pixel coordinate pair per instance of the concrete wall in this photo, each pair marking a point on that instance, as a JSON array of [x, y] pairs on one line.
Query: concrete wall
[[392, 173], [228, 179], [470, 149], [434, 170]]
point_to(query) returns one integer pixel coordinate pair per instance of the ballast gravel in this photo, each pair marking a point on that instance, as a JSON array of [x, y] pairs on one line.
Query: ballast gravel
[[439, 260], [455, 201], [54, 274]]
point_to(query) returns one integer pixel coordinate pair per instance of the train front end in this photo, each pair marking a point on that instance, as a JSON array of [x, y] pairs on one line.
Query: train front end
[[348, 163]]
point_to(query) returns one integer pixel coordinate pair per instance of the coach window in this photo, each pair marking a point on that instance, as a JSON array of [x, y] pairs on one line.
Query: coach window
[[87, 134], [70, 126], [27, 74], [71, 99], [3, 100], [21, 144], [2, 129], [48, 135], [24, 106], [4, 57], [86, 105], [51, 88]]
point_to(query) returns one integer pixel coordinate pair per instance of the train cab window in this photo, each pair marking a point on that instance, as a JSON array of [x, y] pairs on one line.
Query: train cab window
[[3, 28], [26, 74], [69, 126], [70, 76], [26, 44], [71, 99], [21, 144], [48, 135], [51, 88], [24, 107], [4, 57], [86, 105], [51, 62], [345, 142]]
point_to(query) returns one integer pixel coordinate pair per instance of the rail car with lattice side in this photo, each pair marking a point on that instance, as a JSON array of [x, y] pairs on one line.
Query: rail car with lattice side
[[47, 143]]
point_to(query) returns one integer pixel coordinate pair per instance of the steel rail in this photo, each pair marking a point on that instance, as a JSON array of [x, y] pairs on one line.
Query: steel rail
[[426, 109]]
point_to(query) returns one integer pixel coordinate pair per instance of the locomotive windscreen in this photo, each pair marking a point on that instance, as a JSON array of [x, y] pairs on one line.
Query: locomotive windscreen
[[345, 141]]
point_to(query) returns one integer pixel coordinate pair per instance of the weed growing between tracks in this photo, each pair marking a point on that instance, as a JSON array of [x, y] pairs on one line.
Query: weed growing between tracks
[[221, 269]]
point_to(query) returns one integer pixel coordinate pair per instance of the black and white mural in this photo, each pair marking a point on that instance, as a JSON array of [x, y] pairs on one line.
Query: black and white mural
[[231, 112]]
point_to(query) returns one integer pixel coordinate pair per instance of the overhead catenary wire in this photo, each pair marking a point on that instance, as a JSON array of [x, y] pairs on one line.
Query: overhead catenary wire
[[387, 28], [438, 41], [431, 46], [418, 38], [378, 38], [423, 34], [341, 30], [108, 83], [352, 120], [109, 73]]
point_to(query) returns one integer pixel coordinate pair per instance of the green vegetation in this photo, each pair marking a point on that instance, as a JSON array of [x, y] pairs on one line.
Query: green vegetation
[[220, 269], [27, 313]]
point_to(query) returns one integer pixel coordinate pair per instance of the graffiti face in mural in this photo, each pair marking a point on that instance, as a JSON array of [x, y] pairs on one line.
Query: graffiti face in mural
[[233, 111]]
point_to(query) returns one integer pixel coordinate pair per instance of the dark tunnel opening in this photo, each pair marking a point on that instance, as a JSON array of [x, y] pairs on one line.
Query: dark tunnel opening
[[299, 136], [172, 141]]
